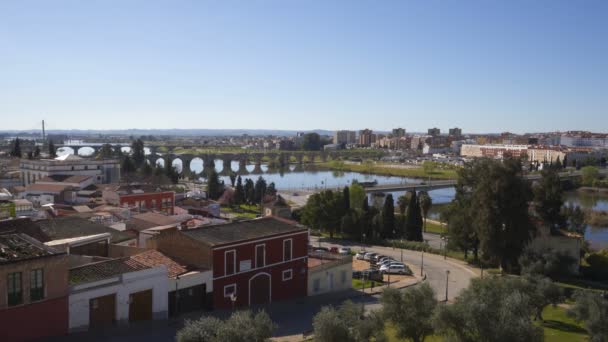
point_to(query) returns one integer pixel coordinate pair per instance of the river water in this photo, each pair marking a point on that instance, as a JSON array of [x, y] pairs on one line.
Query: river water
[[310, 178]]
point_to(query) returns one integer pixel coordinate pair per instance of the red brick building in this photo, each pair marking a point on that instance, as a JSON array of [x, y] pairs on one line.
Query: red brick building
[[33, 289], [141, 199], [254, 262]]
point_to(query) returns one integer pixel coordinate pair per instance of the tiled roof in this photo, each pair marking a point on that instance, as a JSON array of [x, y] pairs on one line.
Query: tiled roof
[[24, 226], [47, 187], [153, 258], [104, 270], [243, 230], [15, 247], [72, 226], [151, 219]]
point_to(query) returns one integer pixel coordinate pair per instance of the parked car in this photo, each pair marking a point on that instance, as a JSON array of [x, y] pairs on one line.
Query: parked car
[[371, 274], [377, 257], [386, 262], [321, 249], [381, 260], [333, 249], [396, 269], [360, 255], [369, 255], [344, 250]]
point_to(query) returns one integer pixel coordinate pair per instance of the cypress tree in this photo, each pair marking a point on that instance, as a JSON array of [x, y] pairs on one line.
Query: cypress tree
[[346, 198], [413, 225], [388, 217]]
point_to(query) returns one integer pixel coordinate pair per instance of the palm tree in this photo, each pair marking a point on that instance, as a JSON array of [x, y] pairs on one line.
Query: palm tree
[[426, 202]]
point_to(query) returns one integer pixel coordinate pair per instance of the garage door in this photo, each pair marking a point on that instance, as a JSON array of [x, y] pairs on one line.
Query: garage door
[[102, 311], [140, 306], [259, 289]]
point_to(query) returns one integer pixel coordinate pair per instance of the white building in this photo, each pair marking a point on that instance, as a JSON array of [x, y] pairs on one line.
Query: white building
[[329, 273], [345, 137], [103, 171], [116, 291]]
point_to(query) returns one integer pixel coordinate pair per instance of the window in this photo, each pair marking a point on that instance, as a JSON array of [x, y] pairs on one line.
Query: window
[[15, 294], [343, 277], [287, 275], [316, 285], [229, 262], [37, 284], [260, 255], [287, 249], [229, 290]]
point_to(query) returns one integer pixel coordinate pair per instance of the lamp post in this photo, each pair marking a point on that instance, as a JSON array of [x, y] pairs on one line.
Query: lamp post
[[447, 279], [422, 264]]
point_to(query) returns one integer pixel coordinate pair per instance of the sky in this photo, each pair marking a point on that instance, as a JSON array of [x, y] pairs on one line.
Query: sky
[[484, 66]]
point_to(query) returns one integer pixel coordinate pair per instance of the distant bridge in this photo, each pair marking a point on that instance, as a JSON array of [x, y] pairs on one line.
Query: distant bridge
[[443, 184]]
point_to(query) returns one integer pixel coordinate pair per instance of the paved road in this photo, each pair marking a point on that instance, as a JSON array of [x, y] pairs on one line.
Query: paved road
[[435, 266]]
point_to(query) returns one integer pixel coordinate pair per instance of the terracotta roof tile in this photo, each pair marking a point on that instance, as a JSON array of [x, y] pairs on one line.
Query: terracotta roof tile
[[153, 258]]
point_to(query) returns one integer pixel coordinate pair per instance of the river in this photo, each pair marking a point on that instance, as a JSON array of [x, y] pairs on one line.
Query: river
[[307, 177]]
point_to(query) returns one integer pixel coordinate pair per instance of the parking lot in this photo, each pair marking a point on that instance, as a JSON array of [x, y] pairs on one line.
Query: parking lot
[[360, 265]]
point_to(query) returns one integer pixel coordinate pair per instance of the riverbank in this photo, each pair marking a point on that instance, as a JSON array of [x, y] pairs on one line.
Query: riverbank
[[390, 170]]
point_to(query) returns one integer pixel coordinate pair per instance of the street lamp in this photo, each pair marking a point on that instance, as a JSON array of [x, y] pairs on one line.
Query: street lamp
[[447, 279]]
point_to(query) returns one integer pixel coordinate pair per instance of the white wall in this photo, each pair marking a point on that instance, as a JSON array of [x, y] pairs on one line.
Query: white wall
[[324, 276], [122, 286]]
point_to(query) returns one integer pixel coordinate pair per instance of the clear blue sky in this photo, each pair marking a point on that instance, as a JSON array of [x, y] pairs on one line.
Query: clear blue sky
[[485, 66]]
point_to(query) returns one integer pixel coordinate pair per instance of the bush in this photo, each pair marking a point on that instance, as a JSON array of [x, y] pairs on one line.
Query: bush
[[242, 326], [545, 262], [598, 265]]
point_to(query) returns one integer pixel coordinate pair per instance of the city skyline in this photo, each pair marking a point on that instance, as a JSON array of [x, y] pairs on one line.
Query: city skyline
[[485, 67]]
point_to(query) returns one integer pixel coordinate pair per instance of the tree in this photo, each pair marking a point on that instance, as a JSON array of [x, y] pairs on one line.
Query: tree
[[402, 202], [426, 202], [591, 308], [171, 171], [239, 192], [127, 165], [388, 217], [118, 151], [260, 190], [575, 219], [214, 187], [499, 210], [147, 170], [410, 311], [16, 150], [589, 174], [324, 210], [490, 309], [565, 162], [105, 152], [249, 191], [548, 199], [429, 167], [357, 195], [242, 326], [37, 152], [52, 149], [271, 190], [347, 323], [232, 178], [558, 164], [138, 153], [542, 292], [346, 198], [413, 224], [545, 262], [311, 142]]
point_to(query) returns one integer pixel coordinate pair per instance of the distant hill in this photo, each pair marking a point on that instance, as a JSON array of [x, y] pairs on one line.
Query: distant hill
[[173, 132]]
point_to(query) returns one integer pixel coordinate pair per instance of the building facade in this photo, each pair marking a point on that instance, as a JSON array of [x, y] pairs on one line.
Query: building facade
[[103, 171], [329, 273], [434, 131], [253, 262], [345, 137], [33, 289], [366, 137]]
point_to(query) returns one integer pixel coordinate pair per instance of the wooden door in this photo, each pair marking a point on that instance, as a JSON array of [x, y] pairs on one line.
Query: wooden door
[[140, 306], [102, 310], [259, 289]]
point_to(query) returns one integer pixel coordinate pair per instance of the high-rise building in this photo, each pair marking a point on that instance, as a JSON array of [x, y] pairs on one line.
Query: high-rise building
[[345, 137], [398, 132], [366, 137], [455, 132], [434, 131]]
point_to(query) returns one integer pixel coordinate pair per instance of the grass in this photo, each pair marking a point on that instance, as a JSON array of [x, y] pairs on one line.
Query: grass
[[243, 211], [432, 227], [558, 327], [358, 284], [418, 172]]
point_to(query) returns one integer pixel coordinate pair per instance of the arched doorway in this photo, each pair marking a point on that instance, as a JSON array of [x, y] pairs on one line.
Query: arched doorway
[[259, 289]]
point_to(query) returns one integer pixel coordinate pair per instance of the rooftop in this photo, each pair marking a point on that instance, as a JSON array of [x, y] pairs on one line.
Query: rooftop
[[16, 247], [151, 219], [243, 230], [23, 226], [47, 187], [72, 226], [104, 270], [153, 258]]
